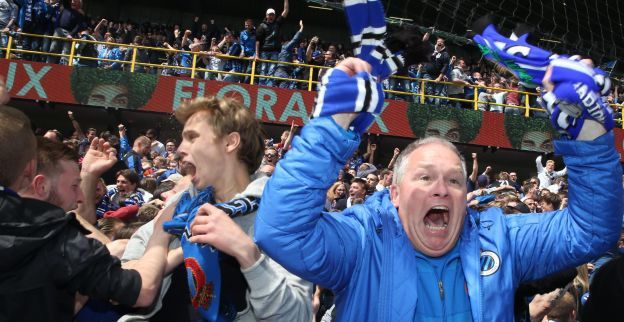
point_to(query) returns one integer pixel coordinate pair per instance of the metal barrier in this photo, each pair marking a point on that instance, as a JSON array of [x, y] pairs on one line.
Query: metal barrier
[[253, 75]]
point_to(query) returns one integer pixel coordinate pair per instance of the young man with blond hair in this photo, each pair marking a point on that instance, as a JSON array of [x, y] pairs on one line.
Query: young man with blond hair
[[224, 143]]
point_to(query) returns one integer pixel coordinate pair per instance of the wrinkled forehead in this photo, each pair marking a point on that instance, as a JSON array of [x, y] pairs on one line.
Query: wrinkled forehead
[[435, 154]]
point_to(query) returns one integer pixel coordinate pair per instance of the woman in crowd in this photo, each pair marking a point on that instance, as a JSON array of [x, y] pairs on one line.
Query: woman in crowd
[[336, 192]]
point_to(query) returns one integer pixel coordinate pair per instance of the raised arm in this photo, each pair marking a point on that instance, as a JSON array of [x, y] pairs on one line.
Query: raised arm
[[310, 49], [99, 158], [590, 225], [475, 168], [561, 173], [76, 125], [286, 9], [295, 39], [290, 227], [538, 164], [395, 155], [124, 144]]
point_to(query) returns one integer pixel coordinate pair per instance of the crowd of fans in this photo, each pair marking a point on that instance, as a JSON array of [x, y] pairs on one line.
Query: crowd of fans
[[149, 174], [447, 75]]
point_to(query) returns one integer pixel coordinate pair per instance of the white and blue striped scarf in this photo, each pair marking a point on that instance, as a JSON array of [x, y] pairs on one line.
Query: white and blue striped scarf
[[339, 91]]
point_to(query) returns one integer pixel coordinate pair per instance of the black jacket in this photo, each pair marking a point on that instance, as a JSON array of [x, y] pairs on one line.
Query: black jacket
[[45, 258]]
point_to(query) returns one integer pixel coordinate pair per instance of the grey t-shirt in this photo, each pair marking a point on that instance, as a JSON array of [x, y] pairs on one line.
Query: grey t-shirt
[[8, 11], [457, 74]]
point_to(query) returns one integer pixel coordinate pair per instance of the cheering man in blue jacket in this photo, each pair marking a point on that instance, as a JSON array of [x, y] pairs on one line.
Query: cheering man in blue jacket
[[414, 252]]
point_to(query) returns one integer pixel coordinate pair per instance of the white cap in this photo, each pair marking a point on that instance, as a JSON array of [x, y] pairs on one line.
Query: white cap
[[175, 177], [270, 11]]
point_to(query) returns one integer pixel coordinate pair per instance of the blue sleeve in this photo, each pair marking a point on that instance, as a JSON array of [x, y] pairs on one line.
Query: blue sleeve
[[116, 55], [588, 227], [290, 226], [124, 146], [289, 46]]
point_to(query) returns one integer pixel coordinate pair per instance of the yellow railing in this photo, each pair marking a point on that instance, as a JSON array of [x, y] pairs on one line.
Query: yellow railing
[[253, 75]]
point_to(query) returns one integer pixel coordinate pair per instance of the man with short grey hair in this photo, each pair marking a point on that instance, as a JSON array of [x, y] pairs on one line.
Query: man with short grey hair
[[415, 251]]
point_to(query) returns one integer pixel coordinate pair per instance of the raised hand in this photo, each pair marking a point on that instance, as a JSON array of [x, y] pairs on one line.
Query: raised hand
[[122, 130], [99, 158], [351, 66], [572, 97]]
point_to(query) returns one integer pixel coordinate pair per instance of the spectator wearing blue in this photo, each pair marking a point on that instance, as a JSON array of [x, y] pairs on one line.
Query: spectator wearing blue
[[233, 65], [69, 21], [110, 52], [31, 19], [52, 14], [268, 40], [416, 251], [132, 157], [287, 54], [247, 40], [415, 72], [86, 49]]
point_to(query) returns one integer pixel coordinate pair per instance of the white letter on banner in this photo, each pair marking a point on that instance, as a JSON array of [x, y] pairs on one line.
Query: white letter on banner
[[180, 95], [238, 89], [301, 112], [35, 81], [264, 102], [380, 123], [11, 76]]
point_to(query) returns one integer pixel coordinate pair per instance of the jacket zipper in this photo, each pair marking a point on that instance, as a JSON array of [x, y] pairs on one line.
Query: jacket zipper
[[385, 283], [441, 287]]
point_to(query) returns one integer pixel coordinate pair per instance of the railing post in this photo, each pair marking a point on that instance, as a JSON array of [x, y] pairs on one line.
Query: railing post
[[253, 71], [422, 91], [194, 65], [133, 63], [8, 49], [476, 98], [72, 52], [310, 77], [526, 105]]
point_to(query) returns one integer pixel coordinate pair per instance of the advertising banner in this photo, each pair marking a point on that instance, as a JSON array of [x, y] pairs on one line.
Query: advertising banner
[[163, 94]]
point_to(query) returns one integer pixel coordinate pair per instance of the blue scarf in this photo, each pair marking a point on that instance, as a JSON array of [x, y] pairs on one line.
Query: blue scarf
[[338, 91], [202, 260], [577, 87]]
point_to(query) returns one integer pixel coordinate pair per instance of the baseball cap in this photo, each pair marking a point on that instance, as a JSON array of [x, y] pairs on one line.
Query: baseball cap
[[482, 181], [270, 11], [174, 178]]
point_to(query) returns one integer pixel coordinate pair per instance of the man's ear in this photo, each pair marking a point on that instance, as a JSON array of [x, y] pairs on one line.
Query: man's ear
[[41, 186], [394, 195], [232, 141]]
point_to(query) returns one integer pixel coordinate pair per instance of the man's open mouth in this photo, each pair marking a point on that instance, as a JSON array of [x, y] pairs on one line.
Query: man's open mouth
[[437, 218]]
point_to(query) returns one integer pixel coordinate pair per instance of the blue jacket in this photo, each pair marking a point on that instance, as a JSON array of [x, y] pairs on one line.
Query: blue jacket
[[364, 255]]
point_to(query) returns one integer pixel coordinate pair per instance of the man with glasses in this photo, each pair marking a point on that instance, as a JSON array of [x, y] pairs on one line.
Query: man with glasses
[[270, 157]]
